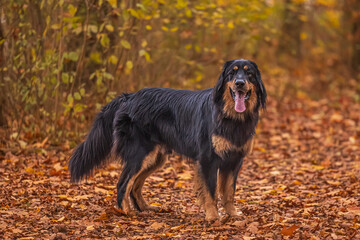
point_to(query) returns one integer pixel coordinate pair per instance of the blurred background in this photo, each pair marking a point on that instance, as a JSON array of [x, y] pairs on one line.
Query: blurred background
[[60, 61]]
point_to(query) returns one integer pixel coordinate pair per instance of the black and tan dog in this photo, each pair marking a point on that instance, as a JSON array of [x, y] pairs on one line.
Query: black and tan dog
[[214, 127]]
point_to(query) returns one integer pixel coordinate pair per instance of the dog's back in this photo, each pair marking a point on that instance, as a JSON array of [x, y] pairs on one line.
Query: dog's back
[[178, 119]]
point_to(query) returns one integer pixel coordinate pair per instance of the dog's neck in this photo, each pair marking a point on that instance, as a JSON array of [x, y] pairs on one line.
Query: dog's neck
[[238, 130]]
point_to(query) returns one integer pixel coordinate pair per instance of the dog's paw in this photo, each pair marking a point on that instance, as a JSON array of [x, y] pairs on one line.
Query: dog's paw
[[125, 212], [227, 218], [130, 213], [213, 222], [118, 211], [212, 217], [152, 208]]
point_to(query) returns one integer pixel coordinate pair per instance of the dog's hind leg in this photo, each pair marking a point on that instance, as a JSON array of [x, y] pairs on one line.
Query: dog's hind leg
[[206, 180], [122, 201], [227, 185], [134, 165], [150, 166]]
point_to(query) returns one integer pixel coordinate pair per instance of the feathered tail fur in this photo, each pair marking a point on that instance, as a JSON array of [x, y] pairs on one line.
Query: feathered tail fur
[[97, 146]]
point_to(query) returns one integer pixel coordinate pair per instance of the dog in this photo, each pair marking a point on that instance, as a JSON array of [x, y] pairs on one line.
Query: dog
[[213, 127]]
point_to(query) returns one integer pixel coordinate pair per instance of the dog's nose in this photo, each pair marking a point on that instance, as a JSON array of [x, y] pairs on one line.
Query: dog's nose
[[239, 82]]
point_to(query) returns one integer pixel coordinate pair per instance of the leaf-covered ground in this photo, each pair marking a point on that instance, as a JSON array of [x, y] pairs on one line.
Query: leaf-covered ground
[[301, 182]]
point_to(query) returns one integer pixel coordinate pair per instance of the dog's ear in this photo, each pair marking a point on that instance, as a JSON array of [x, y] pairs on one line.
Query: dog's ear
[[262, 93], [219, 87]]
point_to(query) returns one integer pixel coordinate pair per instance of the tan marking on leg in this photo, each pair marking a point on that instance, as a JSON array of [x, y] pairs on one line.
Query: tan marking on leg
[[148, 161], [139, 183], [125, 204], [204, 198], [198, 186], [248, 146], [227, 192], [140, 180]]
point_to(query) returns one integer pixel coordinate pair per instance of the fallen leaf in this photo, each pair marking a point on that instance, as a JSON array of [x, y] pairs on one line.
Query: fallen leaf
[[354, 210], [317, 167], [89, 228], [336, 117], [289, 231], [239, 224], [155, 204], [118, 210], [64, 203], [333, 182], [297, 182], [101, 190], [157, 225], [58, 167], [253, 227]]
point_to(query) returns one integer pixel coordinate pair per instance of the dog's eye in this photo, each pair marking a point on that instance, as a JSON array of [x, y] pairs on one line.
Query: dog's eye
[[249, 74]]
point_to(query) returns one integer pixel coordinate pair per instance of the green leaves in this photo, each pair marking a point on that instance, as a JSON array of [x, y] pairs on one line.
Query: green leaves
[[113, 59], [77, 96], [72, 56], [105, 41], [72, 10], [113, 3], [109, 27], [134, 13], [125, 44], [95, 57], [145, 54]]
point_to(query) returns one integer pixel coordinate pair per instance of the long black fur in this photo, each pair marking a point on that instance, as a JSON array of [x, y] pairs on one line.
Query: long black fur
[[179, 120], [97, 146]]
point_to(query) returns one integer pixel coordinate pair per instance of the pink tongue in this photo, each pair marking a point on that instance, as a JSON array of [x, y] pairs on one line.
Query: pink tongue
[[239, 102]]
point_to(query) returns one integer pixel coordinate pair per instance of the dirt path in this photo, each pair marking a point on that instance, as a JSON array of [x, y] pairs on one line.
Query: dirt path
[[301, 182]]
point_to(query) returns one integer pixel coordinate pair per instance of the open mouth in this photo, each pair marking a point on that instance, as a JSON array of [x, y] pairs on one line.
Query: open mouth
[[239, 98]]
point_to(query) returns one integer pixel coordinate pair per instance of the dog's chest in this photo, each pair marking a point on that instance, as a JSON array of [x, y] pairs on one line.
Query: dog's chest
[[222, 146]]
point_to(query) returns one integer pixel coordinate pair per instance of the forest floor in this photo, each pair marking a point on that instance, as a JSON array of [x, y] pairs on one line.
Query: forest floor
[[302, 181]]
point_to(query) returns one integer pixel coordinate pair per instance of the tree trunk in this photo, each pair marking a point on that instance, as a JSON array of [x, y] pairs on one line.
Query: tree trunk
[[355, 32], [290, 41], [351, 23], [2, 64]]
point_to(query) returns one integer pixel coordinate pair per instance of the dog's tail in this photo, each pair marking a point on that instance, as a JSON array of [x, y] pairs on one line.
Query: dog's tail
[[97, 146]]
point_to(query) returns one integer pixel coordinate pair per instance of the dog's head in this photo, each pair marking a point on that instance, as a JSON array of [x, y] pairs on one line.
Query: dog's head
[[240, 88]]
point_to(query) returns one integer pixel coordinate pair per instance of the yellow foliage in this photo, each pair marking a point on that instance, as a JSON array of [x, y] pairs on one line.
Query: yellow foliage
[[113, 3]]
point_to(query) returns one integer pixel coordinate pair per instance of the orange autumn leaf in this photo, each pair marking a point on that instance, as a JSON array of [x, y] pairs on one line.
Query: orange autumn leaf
[[289, 231]]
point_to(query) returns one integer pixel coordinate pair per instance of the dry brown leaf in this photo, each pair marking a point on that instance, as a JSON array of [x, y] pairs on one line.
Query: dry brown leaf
[[58, 167], [117, 210], [333, 182], [289, 231], [157, 225], [239, 224], [89, 228], [155, 204], [297, 182], [253, 227], [101, 190]]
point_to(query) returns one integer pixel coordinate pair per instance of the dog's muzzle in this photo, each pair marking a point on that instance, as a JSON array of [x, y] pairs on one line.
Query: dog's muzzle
[[240, 95]]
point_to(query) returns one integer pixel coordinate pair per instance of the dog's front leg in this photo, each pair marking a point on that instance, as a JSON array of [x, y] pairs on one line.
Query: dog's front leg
[[206, 180], [227, 184]]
